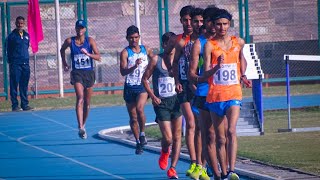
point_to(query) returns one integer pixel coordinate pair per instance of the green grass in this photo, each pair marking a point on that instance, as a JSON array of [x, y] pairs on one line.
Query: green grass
[[67, 102], [112, 100], [281, 90], [295, 150]]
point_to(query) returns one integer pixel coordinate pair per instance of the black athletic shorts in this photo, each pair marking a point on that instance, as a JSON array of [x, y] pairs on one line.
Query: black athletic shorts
[[199, 102], [168, 109], [186, 95], [85, 77]]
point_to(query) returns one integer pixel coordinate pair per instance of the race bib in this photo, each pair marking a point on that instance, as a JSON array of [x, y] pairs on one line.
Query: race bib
[[183, 68], [226, 75], [166, 86], [134, 78], [82, 61]]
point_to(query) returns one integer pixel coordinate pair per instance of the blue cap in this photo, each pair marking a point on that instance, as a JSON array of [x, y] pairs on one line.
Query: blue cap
[[81, 23]]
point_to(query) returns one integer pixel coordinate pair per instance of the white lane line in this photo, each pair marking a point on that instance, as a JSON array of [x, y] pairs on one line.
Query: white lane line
[[56, 154], [64, 157], [51, 120]]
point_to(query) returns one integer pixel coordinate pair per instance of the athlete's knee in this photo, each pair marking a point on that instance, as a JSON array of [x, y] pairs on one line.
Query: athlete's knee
[[221, 141], [168, 140], [80, 100], [211, 138], [232, 132], [140, 110]]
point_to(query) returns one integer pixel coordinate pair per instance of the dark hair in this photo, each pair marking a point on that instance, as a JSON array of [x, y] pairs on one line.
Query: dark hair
[[132, 30], [166, 36], [186, 10], [19, 18], [221, 13], [197, 12], [202, 28], [209, 12]]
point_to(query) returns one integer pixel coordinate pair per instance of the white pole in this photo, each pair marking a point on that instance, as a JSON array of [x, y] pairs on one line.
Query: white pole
[[57, 15], [137, 16]]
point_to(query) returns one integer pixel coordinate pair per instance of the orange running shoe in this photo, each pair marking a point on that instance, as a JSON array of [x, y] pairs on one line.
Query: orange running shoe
[[163, 159], [172, 174]]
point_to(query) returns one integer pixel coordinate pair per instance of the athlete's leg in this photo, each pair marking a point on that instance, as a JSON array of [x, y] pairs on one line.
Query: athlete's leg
[[227, 141], [208, 137], [176, 140], [232, 115], [86, 103], [79, 104], [197, 140], [166, 140], [220, 140], [141, 102], [190, 126], [132, 110]]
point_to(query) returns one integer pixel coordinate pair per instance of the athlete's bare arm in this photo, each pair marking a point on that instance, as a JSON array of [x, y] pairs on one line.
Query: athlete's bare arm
[[175, 65], [146, 75], [149, 52], [63, 48], [194, 61], [96, 54], [208, 71], [124, 70], [243, 65]]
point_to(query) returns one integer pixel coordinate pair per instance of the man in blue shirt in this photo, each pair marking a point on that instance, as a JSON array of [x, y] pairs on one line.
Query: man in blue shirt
[[17, 46]]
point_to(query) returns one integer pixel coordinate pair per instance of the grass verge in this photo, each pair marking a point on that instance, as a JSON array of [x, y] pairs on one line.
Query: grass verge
[[298, 150]]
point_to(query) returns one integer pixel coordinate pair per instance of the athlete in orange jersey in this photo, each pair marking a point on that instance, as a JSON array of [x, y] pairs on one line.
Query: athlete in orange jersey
[[225, 64]]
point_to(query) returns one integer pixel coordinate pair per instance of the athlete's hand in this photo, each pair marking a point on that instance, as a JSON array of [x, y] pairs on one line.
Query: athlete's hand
[[193, 87], [156, 101], [84, 51], [245, 81], [220, 60], [138, 61], [179, 88], [66, 67]]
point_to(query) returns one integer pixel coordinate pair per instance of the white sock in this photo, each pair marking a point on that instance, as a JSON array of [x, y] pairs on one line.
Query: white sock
[[142, 134]]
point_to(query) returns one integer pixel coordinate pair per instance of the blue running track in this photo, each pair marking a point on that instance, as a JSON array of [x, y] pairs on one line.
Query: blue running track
[[45, 145]]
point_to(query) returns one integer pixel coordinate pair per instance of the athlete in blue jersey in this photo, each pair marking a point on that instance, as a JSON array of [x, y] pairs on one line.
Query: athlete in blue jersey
[[83, 51], [133, 63], [196, 75]]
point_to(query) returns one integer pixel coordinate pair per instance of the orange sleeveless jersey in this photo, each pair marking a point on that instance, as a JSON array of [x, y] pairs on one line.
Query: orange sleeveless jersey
[[224, 85], [180, 36]]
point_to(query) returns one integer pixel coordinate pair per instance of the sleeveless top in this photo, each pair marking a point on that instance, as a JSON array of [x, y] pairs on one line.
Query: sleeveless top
[[163, 84], [79, 60], [134, 78], [202, 88], [185, 59], [224, 85]]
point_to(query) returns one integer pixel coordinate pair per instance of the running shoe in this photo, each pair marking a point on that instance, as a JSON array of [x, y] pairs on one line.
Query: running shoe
[[172, 174], [204, 175], [191, 169], [143, 140], [196, 172], [233, 176], [82, 133], [139, 149], [163, 160], [16, 109]]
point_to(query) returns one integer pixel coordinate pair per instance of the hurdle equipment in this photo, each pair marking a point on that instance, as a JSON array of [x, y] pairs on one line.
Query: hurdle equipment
[[288, 58]]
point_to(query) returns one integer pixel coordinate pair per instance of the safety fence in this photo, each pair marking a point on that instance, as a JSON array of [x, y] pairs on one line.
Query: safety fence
[[276, 27]]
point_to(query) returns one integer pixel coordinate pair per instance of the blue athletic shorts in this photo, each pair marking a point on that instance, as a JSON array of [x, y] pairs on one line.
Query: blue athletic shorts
[[220, 108], [195, 110], [130, 93]]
